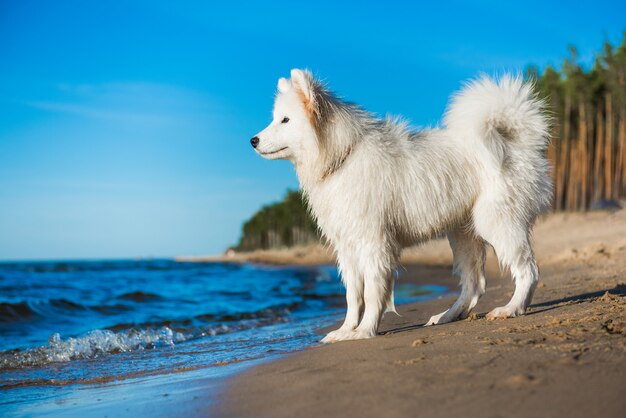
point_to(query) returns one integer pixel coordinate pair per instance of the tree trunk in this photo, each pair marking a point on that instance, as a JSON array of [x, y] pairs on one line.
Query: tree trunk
[[620, 166], [565, 157], [584, 157], [573, 177], [598, 179], [608, 148]]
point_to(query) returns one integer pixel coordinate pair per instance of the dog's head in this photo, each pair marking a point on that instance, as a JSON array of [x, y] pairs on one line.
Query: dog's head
[[310, 126], [291, 134]]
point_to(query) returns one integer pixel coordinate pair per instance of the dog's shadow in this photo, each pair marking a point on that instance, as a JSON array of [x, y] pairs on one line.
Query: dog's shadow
[[619, 290], [537, 308]]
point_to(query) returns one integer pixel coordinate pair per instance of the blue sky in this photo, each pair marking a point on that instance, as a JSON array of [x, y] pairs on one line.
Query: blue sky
[[125, 124]]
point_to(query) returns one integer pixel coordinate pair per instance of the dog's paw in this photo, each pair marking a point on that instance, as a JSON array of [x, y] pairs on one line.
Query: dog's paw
[[340, 334], [359, 334], [505, 312], [346, 335]]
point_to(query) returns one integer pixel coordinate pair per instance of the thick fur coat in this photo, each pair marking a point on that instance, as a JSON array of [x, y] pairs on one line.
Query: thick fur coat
[[375, 186]]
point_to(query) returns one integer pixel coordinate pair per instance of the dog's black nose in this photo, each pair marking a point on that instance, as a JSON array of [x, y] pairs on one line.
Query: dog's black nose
[[255, 141]]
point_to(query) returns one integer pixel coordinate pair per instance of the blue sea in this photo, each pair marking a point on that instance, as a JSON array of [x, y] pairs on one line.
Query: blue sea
[[72, 327]]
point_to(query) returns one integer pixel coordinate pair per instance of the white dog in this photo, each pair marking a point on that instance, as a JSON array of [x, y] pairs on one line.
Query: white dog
[[374, 186]]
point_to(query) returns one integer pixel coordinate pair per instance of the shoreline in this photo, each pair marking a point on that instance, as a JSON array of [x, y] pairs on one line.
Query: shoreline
[[566, 356]]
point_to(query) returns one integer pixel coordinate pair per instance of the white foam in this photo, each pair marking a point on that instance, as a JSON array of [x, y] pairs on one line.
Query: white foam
[[91, 345]]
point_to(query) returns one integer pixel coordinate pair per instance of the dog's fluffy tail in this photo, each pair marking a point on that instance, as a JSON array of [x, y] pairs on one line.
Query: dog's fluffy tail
[[499, 114]]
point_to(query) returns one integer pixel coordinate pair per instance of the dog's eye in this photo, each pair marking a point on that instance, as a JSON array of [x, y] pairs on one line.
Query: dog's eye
[[285, 120]]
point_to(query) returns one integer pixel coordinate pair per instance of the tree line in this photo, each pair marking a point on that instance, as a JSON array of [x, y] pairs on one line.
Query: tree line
[[587, 151], [283, 224], [588, 147]]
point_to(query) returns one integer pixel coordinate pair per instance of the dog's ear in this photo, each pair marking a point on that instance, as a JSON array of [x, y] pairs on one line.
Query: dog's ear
[[303, 82], [284, 85]]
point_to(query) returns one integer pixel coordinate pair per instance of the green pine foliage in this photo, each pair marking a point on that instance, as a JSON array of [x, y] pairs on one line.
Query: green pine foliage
[[588, 148], [283, 224]]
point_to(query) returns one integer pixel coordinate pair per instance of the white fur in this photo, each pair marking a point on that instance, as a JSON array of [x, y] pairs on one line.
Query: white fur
[[375, 186]]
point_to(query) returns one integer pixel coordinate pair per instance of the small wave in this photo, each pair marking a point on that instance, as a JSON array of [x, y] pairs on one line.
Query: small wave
[[271, 312], [13, 312], [66, 305], [139, 296], [244, 294], [31, 310], [212, 324], [177, 325], [92, 345]]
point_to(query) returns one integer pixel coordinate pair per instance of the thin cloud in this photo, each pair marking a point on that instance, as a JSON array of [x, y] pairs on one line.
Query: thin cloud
[[99, 113], [141, 103]]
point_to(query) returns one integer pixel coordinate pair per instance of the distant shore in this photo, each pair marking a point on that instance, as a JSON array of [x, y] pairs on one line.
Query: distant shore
[[306, 255], [566, 357], [435, 252], [557, 236]]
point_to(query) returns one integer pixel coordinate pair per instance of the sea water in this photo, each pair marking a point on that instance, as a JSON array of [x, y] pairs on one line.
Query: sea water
[[89, 324]]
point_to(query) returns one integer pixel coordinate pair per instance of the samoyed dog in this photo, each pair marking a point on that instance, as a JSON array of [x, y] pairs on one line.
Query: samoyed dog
[[375, 186]]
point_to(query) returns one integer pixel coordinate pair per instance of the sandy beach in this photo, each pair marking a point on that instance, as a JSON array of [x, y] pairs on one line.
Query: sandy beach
[[566, 357]]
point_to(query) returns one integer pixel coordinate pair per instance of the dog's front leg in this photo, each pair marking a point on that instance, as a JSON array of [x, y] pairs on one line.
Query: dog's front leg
[[353, 281], [377, 288], [376, 296]]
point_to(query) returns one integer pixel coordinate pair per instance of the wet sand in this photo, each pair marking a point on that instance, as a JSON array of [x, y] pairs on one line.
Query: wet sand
[[566, 357]]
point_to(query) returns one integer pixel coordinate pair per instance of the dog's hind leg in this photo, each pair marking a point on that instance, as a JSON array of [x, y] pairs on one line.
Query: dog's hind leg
[[469, 266], [510, 237], [517, 253], [353, 281]]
